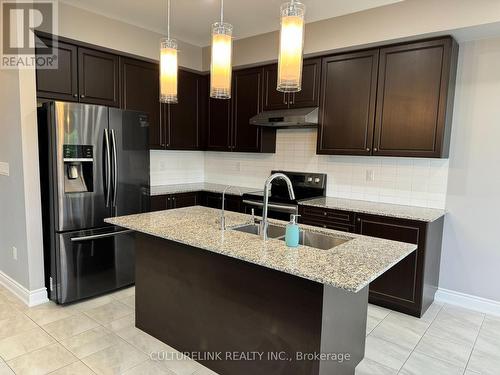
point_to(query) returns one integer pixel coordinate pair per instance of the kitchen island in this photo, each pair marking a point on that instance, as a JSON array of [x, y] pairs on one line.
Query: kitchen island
[[241, 305]]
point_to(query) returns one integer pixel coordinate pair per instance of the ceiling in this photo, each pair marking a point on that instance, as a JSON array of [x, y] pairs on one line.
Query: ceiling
[[191, 19]]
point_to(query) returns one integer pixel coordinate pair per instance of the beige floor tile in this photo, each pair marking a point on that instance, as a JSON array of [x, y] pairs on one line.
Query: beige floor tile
[[369, 367], [8, 311], [123, 293], [485, 357], [69, 327], [181, 366], [431, 312], [142, 341], [371, 323], [115, 359], [16, 325], [491, 325], [129, 301], [92, 303], [377, 312], [125, 322], [399, 330], [205, 371], [91, 341], [4, 369], [76, 368], [109, 312], [23, 343], [455, 352], [386, 353], [452, 328], [420, 364], [472, 317], [48, 313], [148, 368], [42, 361]]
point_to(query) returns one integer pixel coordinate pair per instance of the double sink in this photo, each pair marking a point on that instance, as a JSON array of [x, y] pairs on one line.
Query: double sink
[[306, 237]]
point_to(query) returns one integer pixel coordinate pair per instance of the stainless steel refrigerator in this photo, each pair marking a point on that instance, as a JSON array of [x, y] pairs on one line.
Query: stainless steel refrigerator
[[94, 163]]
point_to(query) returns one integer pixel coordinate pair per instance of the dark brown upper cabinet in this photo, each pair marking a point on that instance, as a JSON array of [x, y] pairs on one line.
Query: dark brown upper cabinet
[[415, 99], [307, 97], [60, 83], [347, 110], [98, 77], [219, 125], [141, 92], [229, 127], [184, 126], [247, 102]]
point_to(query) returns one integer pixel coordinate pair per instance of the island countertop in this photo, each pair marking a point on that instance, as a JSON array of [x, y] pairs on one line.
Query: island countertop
[[350, 266]]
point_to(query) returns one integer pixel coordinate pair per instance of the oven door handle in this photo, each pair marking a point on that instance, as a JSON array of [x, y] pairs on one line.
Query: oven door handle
[[277, 207], [97, 236]]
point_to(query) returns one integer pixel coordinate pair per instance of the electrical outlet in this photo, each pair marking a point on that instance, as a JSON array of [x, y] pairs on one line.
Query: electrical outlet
[[14, 252], [4, 169], [370, 175]]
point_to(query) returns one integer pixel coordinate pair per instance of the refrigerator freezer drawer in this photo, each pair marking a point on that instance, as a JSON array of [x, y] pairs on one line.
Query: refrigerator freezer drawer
[[92, 262]]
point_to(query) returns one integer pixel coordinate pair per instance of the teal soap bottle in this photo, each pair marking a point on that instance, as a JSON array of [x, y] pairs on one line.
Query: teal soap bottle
[[292, 232]]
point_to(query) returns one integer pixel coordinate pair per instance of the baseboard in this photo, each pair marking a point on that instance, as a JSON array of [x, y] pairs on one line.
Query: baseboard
[[468, 301], [28, 297]]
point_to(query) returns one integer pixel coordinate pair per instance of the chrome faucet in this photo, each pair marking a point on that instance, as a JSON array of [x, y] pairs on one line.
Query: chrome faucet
[[222, 217], [267, 186]]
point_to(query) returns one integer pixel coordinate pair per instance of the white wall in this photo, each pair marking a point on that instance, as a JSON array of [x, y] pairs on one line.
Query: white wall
[[471, 251], [82, 25], [406, 19], [419, 182]]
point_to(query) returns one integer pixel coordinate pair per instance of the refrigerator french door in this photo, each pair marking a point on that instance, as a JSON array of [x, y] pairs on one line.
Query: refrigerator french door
[[94, 164]]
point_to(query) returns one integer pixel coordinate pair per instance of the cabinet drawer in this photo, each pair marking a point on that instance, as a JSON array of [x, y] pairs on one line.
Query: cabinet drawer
[[324, 214], [327, 224]]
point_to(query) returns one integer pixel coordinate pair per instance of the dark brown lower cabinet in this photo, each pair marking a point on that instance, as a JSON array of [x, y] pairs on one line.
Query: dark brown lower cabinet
[[214, 200], [410, 285], [170, 201]]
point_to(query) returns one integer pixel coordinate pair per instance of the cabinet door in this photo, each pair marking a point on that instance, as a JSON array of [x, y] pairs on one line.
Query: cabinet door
[[60, 83], [158, 202], [412, 101], [184, 200], [273, 99], [308, 96], [184, 117], [218, 132], [141, 92], [348, 94], [98, 77], [247, 102], [401, 286]]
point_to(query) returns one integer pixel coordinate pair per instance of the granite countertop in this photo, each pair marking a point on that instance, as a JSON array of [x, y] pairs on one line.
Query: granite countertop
[[377, 208], [350, 266], [199, 186]]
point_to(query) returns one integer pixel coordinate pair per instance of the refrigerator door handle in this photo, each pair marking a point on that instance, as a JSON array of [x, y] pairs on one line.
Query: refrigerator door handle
[[97, 236], [115, 167], [107, 168]]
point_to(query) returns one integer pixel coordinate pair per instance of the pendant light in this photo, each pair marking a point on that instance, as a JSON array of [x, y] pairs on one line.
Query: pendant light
[[221, 65], [291, 47], [168, 66]]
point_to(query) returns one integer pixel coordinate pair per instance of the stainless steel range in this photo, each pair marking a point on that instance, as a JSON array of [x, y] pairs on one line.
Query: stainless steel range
[[305, 185]]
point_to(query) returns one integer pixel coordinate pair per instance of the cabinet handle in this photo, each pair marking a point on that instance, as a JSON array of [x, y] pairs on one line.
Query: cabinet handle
[[292, 96], [367, 149], [359, 219], [325, 213], [284, 98], [375, 149], [75, 95], [82, 96]]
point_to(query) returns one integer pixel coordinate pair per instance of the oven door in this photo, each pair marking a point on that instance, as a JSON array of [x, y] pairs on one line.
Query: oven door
[[274, 210], [92, 262]]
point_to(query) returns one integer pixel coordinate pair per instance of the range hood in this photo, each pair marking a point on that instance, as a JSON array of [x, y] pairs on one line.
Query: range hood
[[287, 118]]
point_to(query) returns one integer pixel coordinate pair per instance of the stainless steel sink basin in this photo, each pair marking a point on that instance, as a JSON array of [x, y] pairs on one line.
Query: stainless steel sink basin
[[273, 231], [306, 238], [320, 241]]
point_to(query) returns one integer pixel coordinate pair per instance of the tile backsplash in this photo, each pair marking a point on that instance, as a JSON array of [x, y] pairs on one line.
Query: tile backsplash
[[412, 181]]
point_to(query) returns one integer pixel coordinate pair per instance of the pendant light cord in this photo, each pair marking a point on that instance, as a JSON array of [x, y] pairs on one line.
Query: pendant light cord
[[168, 19], [221, 11]]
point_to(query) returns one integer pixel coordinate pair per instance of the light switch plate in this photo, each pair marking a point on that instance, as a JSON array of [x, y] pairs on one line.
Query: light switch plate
[[4, 168]]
